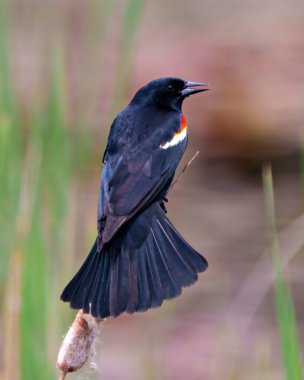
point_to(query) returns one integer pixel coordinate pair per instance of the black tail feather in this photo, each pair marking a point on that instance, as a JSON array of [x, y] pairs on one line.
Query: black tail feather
[[170, 287], [193, 258], [144, 294], [184, 273], [102, 301], [133, 285], [76, 289], [124, 286], [154, 281], [90, 283], [99, 283], [127, 278]]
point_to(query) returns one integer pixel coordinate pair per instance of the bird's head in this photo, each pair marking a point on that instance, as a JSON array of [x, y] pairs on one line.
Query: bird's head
[[167, 93]]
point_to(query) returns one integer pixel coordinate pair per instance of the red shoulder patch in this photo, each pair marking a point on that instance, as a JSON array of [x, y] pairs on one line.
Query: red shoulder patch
[[184, 123]]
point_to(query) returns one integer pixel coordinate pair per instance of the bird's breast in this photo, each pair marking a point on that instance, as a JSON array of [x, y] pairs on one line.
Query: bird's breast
[[178, 136]]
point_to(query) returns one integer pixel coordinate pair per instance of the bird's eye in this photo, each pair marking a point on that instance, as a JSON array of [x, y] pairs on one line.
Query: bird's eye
[[170, 87]]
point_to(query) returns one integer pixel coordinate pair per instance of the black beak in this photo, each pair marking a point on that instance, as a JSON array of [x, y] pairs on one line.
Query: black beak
[[188, 90]]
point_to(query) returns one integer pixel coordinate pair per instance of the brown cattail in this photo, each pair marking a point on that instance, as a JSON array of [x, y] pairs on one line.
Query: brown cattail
[[77, 346]]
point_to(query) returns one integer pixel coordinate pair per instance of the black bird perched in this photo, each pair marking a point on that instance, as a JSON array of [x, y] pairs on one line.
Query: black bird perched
[[139, 259]]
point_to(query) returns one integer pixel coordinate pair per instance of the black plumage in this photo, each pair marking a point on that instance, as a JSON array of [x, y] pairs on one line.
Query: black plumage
[[139, 259]]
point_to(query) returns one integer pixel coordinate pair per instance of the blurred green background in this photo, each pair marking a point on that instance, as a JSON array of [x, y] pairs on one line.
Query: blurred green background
[[66, 68]]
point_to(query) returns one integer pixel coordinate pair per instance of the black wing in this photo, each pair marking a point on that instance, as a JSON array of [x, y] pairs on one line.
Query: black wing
[[136, 170]]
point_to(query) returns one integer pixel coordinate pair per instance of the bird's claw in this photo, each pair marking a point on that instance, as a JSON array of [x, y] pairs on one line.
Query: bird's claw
[[163, 206]]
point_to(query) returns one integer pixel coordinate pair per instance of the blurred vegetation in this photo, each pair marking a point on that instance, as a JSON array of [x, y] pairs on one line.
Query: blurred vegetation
[[39, 160], [287, 322]]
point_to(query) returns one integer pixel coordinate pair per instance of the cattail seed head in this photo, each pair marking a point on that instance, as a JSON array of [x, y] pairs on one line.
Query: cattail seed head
[[77, 346]]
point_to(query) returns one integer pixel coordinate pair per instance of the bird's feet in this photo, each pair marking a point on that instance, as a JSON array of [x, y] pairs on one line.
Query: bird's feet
[[163, 206]]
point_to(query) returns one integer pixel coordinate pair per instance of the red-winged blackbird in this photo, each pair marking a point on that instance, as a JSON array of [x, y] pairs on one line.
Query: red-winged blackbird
[[139, 259]]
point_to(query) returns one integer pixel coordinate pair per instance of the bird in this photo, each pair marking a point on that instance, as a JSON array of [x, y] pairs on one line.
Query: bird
[[139, 259]]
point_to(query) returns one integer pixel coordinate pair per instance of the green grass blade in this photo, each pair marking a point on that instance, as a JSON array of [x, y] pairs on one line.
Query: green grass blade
[[302, 170], [11, 148], [56, 155], [132, 16], [35, 271], [286, 319], [33, 348]]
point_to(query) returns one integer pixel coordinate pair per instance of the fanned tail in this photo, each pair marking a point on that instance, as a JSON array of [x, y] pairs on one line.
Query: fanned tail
[[146, 263]]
